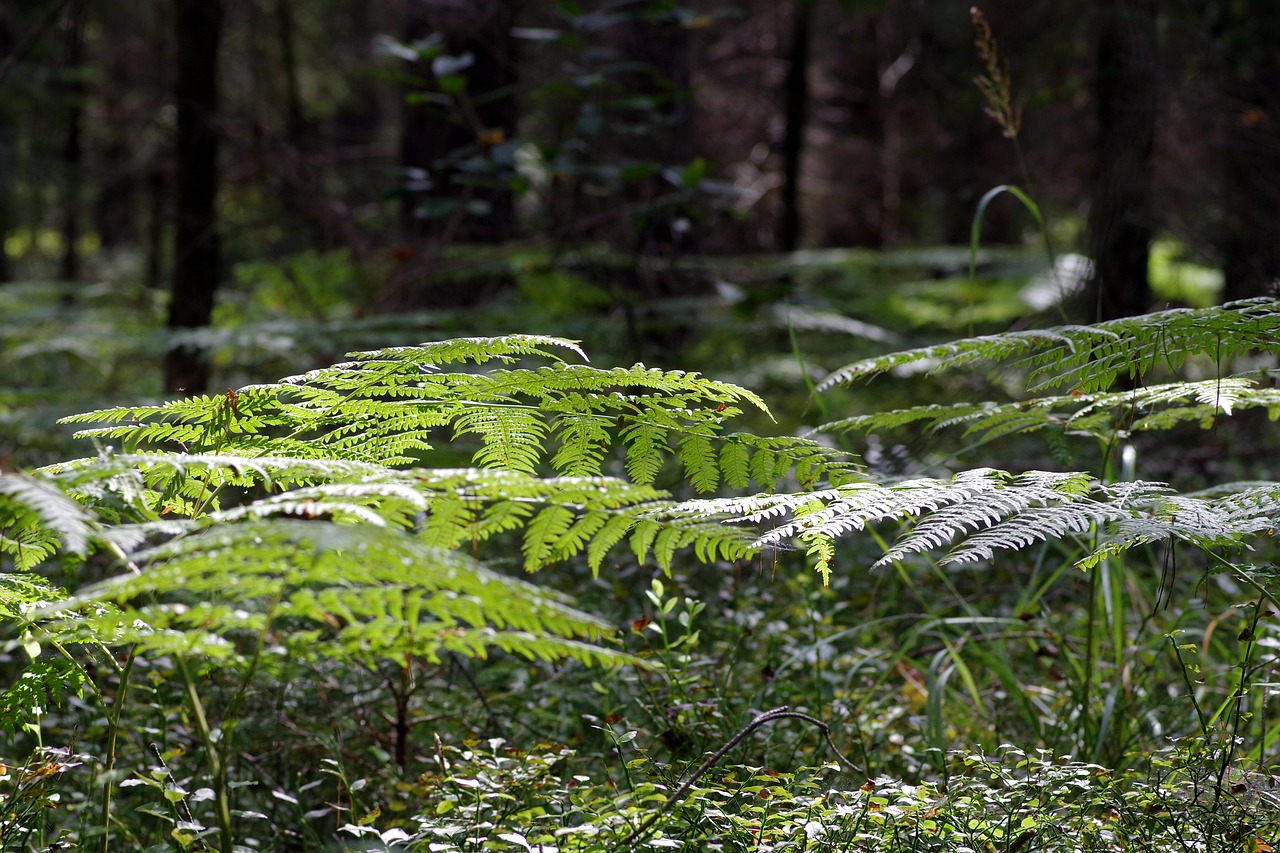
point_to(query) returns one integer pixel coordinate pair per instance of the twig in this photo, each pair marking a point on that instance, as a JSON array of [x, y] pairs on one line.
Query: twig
[[779, 713]]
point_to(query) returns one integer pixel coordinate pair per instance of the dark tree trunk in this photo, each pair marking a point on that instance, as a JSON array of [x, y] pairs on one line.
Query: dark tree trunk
[[296, 130], [796, 88], [73, 147], [159, 197], [1121, 215], [196, 249], [8, 151], [119, 169], [1249, 150]]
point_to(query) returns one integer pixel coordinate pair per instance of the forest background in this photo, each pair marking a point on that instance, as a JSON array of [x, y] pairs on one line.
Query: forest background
[[186, 143], [199, 195]]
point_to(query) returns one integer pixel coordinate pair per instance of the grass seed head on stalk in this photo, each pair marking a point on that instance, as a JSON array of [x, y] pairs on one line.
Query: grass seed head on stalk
[[995, 84]]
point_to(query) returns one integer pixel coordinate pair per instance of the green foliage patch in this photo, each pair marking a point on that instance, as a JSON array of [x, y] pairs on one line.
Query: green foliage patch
[[360, 524]]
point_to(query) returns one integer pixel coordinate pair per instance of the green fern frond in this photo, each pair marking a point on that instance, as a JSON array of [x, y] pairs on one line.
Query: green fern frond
[[450, 508], [701, 467], [1227, 517], [1091, 358], [22, 593], [1099, 414], [36, 518], [513, 438], [40, 683], [986, 509], [583, 439], [507, 348], [393, 406], [346, 591]]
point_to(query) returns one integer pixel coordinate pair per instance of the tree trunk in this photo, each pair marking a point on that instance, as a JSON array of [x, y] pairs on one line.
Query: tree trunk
[[159, 198], [1121, 215], [796, 88], [1249, 150], [119, 169], [8, 152], [196, 249], [73, 148], [296, 130]]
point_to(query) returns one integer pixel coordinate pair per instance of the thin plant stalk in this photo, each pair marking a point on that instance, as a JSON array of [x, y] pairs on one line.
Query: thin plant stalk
[[213, 756], [109, 760]]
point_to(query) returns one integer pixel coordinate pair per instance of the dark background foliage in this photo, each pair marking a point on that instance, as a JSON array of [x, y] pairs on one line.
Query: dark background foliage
[[174, 143]]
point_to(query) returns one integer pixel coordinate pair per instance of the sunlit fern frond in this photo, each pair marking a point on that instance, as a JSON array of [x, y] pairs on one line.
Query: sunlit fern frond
[[1091, 358], [1104, 413], [446, 508], [394, 407], [1230, 516], [984, 510], [37, 520], [316, 587]]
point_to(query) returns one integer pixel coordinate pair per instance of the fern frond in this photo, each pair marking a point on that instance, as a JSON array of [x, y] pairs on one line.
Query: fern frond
[[1227, 517], [513, 438], [22, 593], [41, 682], [448, 507], [1099, 414], [393, 406], [986, 509], [506, 348], [36, 517], [1090, 358], [333, 589]]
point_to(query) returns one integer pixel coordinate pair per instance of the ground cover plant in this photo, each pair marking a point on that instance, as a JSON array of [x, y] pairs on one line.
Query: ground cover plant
[[296, 614]]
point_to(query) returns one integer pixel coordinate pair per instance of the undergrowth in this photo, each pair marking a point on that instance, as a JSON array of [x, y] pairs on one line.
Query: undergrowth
[[290, 616]]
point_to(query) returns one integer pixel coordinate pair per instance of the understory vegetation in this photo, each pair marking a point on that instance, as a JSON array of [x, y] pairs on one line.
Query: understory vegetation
[[1012, 591]]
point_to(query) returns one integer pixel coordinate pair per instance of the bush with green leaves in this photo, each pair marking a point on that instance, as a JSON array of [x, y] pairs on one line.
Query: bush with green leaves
[[360, 523]]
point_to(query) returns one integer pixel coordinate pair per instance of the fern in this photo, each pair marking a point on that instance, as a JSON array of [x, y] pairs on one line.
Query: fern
[[36, 518], [394, 406], [324, 588], [307, 507], [986, 509], [1100, 414], [1091, 358], [1229, 516]]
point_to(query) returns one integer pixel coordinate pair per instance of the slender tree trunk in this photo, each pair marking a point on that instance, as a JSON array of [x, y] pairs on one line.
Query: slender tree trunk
[[73, 148], [158, 198], [196, 248], [119, 171], [295, 119], [1122, 215], [796, 87], [8, 152], [1249, 150]]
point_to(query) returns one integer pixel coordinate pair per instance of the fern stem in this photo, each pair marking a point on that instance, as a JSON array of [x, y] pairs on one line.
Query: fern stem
[[1191, 689], [1242, 689], [109, 760], [233, 707], [217, 771], [1086, 688]]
